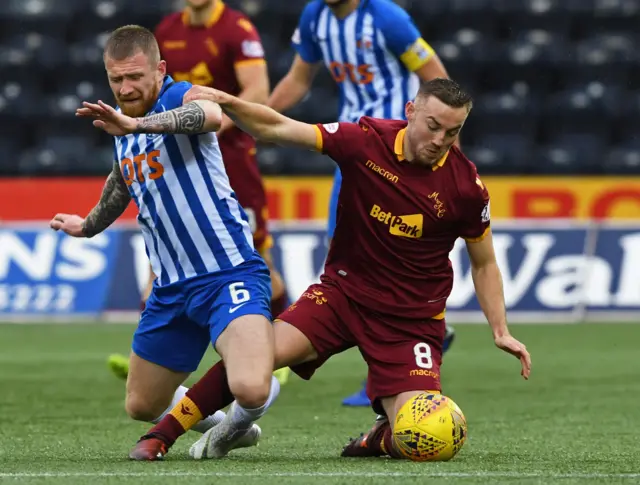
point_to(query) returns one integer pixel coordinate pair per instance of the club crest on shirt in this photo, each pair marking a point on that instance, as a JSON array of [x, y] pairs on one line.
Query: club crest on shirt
[[438, 205], [365, 43]]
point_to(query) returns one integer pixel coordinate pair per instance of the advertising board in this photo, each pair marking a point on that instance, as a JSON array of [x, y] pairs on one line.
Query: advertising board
[[553, 270]]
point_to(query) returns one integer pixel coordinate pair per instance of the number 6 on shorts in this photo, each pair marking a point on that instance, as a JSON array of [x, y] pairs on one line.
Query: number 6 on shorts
[[422, 352], [238, 293]]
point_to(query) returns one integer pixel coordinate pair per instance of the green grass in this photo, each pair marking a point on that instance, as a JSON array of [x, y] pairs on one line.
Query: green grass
[[575, 421]]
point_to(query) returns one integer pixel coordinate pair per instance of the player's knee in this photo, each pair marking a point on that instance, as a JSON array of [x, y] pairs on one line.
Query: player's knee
[[142, 409], [252, 391]]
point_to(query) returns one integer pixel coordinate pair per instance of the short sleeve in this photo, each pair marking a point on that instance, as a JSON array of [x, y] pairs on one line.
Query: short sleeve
[[302, 39], [339, 141], [172, 97], [403, 38], [477, 214], [246, 46]]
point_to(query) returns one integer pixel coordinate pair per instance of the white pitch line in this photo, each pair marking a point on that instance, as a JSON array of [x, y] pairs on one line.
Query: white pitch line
[[321, 474]]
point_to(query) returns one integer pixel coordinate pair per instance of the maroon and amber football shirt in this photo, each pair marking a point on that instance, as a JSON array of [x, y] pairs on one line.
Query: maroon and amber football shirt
[[397, 221], [209, 54]]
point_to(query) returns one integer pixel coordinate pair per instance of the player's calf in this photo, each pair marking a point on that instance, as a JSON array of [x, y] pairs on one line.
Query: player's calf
[[150, 388]]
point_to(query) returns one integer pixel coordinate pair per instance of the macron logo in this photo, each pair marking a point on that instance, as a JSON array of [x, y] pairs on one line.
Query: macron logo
[[379, 170]]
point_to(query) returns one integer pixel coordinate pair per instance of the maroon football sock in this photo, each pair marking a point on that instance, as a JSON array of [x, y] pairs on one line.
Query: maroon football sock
[[387, 445], [207, 396], [279, 304]]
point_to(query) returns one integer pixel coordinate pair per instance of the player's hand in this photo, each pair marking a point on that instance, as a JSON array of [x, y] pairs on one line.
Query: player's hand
[[517, 349], [108, 119], [204, 93], [70, 224]]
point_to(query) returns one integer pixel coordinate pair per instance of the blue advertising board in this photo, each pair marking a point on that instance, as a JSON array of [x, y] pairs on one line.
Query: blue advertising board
[[565, 270]]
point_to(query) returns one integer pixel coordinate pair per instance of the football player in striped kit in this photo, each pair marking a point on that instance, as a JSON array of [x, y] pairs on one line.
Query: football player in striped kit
[[212, 286], [377, 57]]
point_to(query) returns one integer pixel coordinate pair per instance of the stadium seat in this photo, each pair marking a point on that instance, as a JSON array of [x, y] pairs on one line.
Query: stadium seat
[[519, 15], [464, 14], [607, 58], [499, 153], [543, 73], [311, 163], [587, 109], [42, 162], [507, 113], [85, 89], [606, 16], [627, 125], [47, 17], [58, 154], [152, 7], [269, 159], [151, 12], [319, 106], [20, 100], [432, 8], [34, 49], [571, 154], [624, 159], [9, 155], [97, 16]]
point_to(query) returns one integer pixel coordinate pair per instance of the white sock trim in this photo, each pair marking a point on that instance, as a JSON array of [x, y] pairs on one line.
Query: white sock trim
[[243, 417]]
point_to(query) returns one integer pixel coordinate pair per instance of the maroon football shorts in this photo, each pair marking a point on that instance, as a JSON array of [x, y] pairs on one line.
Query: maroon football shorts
[[402, 354], [246, 182]]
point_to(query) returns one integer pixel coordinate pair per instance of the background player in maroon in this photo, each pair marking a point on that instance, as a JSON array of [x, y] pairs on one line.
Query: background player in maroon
[[408, 194], [210, 44]]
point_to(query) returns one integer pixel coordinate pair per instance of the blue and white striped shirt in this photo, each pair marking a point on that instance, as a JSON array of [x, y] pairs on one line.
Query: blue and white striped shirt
[[372, 55], [190, 218]]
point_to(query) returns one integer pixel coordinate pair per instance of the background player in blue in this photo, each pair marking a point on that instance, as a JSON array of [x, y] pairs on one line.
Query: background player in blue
[[211, 285], [376, 55]]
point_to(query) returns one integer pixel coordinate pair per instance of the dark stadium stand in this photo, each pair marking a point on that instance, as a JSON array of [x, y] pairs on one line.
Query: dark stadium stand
[[556, 82]]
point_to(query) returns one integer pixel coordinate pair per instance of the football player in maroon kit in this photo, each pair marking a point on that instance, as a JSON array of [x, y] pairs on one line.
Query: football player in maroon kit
[[210, 44], [408, 193]]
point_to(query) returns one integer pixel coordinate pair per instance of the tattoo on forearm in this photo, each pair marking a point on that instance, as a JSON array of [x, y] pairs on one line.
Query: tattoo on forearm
[[187, 119], [113, 202]]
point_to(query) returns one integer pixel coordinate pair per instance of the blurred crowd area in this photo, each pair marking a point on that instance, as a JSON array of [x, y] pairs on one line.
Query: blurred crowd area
[[556, 82]]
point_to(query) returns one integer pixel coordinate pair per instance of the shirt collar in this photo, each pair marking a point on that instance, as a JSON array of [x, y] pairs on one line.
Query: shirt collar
[[398, 148]]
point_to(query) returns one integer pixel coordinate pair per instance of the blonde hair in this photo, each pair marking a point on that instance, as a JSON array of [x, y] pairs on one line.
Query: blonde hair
[[128, 40]]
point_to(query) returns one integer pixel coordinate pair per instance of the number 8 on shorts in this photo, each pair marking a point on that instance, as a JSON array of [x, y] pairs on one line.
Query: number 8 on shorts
[[422, 352]]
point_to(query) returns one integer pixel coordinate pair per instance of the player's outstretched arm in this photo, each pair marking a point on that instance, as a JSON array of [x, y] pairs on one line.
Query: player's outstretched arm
[[191, 118], [260, 121], [294, 86], [113, 202], [487, 281]]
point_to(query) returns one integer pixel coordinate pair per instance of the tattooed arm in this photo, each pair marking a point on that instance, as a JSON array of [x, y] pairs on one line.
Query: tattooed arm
[[190, 118], [113, 202], [198, 116]]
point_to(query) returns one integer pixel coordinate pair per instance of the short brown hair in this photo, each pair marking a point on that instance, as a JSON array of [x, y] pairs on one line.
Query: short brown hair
[[128, 40], [447, 91]]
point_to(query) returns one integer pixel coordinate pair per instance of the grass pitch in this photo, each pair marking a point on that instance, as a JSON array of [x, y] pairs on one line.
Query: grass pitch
[[576, 421]]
